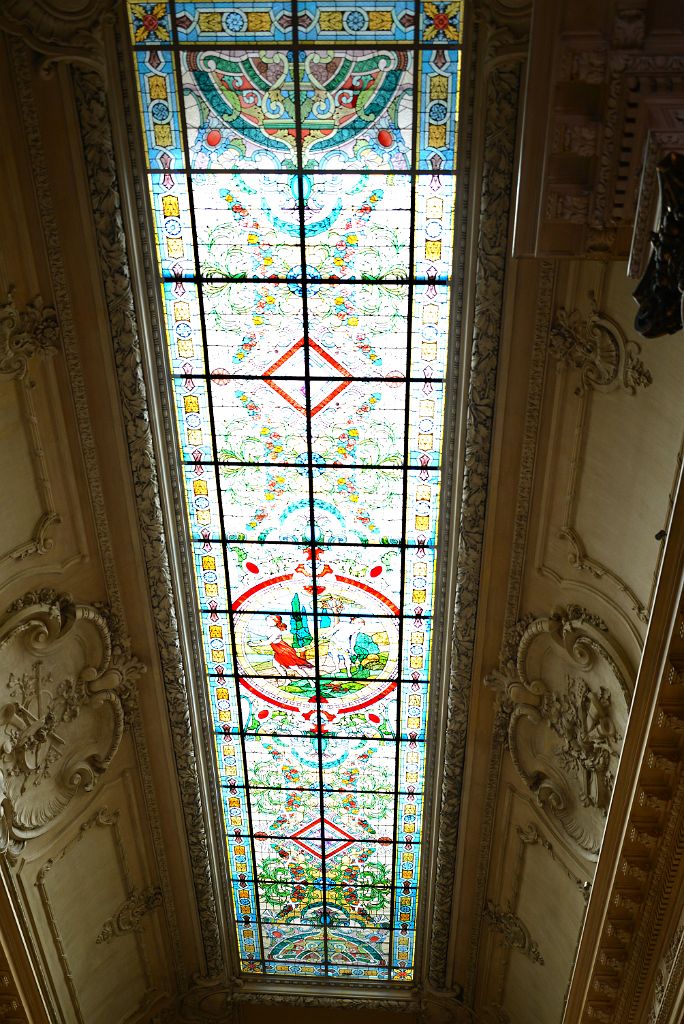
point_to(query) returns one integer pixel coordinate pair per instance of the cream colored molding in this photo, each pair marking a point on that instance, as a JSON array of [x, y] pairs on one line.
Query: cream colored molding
[[218, 1000], [535, 393], [130, 913], [498, 969], [103, 179], [531, 836], [579, 559], [500, 42], [638, 881], [596, 345], [102, 818], [25, 334], [65, 677], [62, 30], [22, 76], [515, 934], [563, 690]]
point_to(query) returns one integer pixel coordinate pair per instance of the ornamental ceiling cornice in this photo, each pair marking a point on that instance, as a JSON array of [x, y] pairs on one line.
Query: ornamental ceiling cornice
[[642, 859], [70, 32], [603, 101]]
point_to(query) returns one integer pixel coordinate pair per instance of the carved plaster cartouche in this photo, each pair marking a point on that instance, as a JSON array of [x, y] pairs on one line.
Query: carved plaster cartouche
[[64, 680], [596, 345], [563, 690]]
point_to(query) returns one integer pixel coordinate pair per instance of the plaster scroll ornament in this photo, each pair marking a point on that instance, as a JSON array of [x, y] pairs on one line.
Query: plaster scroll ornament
[[515, 934], [563, 692], [61, 30], [130, 914], [25, 333], [596, 345], [444, 1006], [66, 677], [660, 292]]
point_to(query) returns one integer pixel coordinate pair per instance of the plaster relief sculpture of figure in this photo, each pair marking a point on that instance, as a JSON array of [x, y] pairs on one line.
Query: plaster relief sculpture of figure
[[564, 697], [64, 682]]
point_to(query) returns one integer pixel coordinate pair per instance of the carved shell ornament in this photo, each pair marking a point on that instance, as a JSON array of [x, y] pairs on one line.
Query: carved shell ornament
[[64, 682], [564, 697]]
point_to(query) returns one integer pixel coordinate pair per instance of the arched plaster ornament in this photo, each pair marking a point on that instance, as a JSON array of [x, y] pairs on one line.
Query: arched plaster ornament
[[565, 700], [64, 682]]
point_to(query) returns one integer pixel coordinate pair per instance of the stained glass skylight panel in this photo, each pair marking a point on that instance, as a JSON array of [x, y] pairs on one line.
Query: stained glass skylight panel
[[301, 161]]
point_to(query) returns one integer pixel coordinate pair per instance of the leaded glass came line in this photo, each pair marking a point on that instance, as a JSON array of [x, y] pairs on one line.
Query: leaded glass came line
[[302, 177]]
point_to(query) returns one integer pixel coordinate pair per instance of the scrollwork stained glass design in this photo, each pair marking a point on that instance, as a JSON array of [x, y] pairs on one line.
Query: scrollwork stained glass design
[[302, 172]]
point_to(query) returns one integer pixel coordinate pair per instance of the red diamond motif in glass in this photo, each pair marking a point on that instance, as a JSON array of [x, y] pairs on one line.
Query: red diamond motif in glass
[[312, 836], [322, 392]]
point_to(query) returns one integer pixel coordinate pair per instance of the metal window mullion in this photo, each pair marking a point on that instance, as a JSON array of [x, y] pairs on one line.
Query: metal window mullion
[[309, 444], [200, 299]]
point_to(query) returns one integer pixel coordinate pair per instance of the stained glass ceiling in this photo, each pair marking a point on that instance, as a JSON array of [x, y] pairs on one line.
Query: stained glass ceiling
[[301, 166]]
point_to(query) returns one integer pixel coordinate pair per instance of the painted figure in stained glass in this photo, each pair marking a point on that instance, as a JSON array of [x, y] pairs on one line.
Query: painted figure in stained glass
[[355, 646], [285, 658]]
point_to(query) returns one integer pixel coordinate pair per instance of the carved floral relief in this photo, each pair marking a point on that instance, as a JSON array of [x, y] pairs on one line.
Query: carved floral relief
[[25, 333], [65, 677], [596, 345], [563, 693]]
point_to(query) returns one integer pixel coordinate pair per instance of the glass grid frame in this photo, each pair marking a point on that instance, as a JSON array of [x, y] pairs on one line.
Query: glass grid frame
[[432, 35]]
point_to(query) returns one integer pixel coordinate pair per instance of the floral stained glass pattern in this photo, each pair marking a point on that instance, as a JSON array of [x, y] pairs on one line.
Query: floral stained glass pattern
[[302, 179]]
